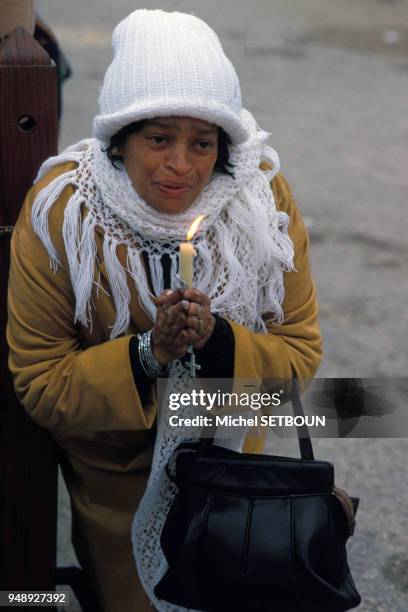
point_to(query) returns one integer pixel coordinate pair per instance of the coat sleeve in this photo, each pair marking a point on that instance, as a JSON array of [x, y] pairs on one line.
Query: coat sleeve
[[296, 343], [63, 386]]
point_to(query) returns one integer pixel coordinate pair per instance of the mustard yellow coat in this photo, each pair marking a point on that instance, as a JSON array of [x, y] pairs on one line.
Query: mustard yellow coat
[[78, 383]]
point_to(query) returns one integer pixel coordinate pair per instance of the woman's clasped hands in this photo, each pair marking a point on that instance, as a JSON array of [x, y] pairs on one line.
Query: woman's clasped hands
[[183, 318]]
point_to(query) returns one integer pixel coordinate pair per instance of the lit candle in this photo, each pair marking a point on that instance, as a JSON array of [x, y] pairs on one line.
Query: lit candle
[[187, 252]]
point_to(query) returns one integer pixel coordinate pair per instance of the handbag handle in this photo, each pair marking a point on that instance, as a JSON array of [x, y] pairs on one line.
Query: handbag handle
[[305, 443]]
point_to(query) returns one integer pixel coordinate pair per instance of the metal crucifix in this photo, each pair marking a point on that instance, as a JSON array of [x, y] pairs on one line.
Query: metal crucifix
[[192, 365]]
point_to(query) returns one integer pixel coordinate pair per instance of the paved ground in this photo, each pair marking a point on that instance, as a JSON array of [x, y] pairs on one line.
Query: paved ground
[[329, 80]]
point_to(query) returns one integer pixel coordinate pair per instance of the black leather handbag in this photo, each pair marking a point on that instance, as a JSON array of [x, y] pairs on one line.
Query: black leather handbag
[[257, 533]]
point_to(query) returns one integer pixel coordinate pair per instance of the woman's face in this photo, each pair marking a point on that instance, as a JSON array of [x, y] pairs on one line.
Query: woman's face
[[171, 160]]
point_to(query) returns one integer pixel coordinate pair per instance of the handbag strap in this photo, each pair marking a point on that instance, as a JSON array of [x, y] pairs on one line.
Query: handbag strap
[[305, 443]]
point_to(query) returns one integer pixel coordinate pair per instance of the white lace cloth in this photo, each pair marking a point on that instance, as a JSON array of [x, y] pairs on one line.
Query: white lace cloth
[[242, 247]]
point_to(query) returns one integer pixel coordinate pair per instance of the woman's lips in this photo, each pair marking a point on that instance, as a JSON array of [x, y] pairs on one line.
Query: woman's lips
[[173, 190]]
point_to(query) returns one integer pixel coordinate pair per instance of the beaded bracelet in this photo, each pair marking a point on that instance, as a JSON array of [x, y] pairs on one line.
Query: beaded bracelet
[[148, 361]]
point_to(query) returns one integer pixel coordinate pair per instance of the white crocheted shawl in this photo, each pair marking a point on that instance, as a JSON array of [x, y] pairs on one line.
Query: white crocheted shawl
[[242, 248]]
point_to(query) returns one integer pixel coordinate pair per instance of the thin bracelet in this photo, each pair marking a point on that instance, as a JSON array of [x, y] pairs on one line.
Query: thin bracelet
[[148, 361]]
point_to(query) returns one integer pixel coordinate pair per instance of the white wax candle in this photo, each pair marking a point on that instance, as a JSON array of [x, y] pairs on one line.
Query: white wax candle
[[186, 258]]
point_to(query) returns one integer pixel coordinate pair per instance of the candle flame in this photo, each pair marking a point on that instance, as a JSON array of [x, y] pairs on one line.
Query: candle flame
[[194, 227]]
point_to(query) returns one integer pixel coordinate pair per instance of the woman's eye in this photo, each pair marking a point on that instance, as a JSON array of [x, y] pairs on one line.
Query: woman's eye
[[158, 140], [204, 145]]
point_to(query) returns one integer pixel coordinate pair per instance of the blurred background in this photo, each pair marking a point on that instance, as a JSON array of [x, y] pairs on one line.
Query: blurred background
[[329, 80]]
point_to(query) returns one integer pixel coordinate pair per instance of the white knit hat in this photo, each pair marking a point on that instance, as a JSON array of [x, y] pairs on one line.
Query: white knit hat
[[168, 64]]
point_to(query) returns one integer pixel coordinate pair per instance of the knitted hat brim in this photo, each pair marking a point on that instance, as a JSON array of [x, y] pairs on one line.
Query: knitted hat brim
[[106, 125]]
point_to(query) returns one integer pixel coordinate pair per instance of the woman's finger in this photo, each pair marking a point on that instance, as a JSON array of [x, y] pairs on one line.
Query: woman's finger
[[196, 310], [169, 297], [169, 322], [181, 340], [194, 295], [195, 324]]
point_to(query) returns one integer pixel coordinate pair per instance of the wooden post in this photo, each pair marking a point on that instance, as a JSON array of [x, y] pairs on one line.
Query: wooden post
[[28, 465], [16, 14]]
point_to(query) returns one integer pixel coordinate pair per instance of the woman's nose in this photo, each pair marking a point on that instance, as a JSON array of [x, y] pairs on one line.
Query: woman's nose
[[179, 160]]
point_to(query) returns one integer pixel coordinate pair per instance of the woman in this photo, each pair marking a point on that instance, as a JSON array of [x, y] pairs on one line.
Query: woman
[[95, 316]]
